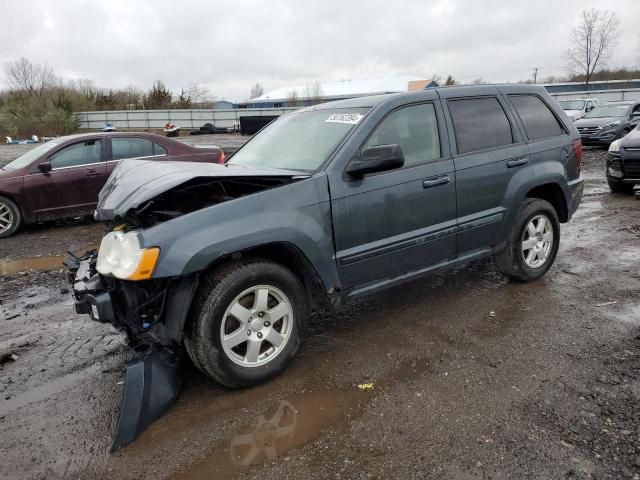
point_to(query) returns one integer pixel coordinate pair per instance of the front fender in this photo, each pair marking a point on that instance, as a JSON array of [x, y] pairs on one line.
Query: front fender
[[298, 214]]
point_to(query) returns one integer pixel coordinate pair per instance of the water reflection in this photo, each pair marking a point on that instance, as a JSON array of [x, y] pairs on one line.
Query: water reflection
[[268, 437]]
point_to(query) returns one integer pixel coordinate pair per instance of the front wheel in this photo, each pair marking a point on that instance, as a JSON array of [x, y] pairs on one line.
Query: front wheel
[[246, 323], [10, 218], [532, 243]]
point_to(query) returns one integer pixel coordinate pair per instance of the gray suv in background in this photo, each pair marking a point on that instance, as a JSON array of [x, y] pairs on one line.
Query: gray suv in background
[[323, 206], [608, 122]]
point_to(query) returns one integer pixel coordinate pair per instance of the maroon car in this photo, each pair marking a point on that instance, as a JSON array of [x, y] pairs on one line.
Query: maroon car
[[62, 178]]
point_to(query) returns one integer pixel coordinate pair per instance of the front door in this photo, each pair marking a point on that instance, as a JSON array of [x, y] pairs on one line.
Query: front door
[[71, 187], [390, 223]]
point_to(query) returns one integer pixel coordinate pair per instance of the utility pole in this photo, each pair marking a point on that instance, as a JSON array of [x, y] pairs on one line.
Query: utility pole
[[535, 74]]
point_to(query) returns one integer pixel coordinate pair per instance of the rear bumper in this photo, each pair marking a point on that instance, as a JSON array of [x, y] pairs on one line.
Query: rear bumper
[[576, 187]]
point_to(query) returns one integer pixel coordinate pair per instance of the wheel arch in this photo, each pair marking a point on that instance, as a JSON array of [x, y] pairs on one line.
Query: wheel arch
[[287, 255], [552, 193]]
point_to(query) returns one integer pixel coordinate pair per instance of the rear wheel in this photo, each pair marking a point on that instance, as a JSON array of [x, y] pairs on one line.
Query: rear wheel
[[532, 243], [10, 217], [620, 187], [246, 323]]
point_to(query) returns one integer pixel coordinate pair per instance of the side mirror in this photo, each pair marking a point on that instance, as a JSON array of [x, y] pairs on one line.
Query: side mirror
[[590, 107], [45, 167], [376, 159]]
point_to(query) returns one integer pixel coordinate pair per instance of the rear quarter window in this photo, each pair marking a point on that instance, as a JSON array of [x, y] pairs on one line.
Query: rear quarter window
[[538, 120], [479, 123]]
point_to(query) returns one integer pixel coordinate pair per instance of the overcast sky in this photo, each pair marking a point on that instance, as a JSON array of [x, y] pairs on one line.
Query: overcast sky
[[230, 45]]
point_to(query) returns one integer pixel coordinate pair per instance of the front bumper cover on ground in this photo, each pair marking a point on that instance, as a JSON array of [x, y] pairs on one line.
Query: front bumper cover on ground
[[153, 380]]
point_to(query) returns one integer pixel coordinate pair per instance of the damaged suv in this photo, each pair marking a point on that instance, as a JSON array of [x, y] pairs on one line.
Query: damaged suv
[[324, 205]]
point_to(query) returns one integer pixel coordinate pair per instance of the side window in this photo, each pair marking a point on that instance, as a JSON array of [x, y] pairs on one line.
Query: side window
[[415, 129], [159, 149], [479, 123], [538, 120], [589, 105], [130, 147], [82, 153]]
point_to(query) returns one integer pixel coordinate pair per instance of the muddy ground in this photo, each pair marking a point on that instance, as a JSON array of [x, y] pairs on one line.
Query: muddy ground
[[474, 377]]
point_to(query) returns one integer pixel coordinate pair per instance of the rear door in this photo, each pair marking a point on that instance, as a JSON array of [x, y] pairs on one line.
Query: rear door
[[402, 220], [488, 150], [121, 148], [72, 186]]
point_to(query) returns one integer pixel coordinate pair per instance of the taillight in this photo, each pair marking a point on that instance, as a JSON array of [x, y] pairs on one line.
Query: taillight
[[222, 157], [577, 150]]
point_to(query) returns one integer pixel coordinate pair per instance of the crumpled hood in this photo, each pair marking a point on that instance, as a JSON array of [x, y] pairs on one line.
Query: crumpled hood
[[134, 182], [596, 122]]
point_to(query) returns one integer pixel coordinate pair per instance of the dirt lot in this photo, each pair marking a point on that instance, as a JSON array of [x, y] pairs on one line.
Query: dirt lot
[[474, 377]]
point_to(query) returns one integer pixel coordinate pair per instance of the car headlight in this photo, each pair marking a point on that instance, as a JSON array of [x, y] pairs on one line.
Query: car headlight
[[614, 147], [120, 255]]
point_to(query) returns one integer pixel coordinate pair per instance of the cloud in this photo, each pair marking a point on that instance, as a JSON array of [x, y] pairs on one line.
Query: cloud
[[229, 46]]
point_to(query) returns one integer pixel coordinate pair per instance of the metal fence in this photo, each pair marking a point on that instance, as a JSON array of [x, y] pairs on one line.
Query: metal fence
[[602, 95], [188, 119], [191, 119]]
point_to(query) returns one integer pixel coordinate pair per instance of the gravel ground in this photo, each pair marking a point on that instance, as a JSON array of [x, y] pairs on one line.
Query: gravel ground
[[474, 377]]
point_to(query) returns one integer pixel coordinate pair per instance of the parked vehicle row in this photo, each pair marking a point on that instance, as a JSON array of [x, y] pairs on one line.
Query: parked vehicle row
[[623, 163], [62, 178], [324, 205], [608, 122]]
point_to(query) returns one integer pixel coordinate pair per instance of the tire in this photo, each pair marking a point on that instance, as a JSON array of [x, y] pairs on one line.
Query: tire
[[234, 287], [620, 187], [10, 217], [511, 261]]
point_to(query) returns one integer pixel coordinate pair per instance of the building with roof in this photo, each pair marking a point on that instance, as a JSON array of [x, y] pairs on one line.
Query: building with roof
[[321, 92]]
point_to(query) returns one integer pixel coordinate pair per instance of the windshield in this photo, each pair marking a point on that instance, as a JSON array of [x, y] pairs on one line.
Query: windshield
[[299, 141], [572, 104], [24, 160], [608, 111]]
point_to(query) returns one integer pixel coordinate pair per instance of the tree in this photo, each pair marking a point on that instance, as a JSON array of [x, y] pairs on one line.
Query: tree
[[29, 78], [292, 98], [450, 80], [314, 93], [593, 42], [158, 97], [257, 90], [183, 101], [198, 93]]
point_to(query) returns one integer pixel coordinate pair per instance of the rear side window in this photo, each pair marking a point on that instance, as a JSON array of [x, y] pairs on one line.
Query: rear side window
[[415, 129], [159, 149], [538, 120], [130, 147], [479, 123]]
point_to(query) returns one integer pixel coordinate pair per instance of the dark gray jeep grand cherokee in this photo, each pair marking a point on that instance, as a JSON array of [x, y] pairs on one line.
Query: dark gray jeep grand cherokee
[[324, 205]]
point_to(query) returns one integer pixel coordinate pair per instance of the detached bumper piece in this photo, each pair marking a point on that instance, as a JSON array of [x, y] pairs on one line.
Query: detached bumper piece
[[152, 381], [151, 387]]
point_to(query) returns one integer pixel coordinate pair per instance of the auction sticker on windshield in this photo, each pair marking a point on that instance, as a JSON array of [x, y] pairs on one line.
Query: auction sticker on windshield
[[351, 118]]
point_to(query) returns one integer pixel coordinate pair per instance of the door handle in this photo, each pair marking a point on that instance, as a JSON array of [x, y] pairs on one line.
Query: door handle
[[434, 182], [517, 162]]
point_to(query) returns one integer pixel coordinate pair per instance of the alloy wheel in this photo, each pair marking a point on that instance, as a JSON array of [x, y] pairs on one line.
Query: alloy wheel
[[256, 326], [6, 218], [537, 241]]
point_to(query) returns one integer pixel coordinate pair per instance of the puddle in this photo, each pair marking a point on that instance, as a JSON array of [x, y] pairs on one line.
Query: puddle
[[8, 267], [284, 425]]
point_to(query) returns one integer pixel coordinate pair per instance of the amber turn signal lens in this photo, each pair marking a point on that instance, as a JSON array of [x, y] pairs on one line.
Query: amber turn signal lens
[[147, 264]]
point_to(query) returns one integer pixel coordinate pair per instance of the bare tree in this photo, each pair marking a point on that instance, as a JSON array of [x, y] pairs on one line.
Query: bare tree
[[27, 77], [450, 80], [314, 93], [292, 98], [257, 90], [198, 93], [593, 42]]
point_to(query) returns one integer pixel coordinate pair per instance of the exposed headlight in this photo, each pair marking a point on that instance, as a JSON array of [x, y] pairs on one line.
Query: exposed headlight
[[614, 147], [120, 255]]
